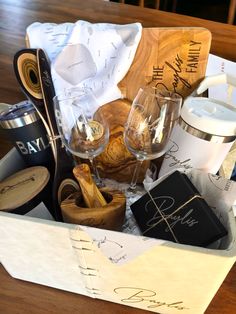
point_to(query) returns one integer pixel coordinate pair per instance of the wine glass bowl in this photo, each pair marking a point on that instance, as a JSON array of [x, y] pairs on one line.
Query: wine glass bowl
[[82, 129], [88, 137], [150, 122]]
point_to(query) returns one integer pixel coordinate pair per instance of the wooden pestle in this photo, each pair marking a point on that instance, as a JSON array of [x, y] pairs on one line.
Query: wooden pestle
[[91, 194]]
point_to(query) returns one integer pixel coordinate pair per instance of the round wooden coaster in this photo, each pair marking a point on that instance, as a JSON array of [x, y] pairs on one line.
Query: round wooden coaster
[[22, 187]]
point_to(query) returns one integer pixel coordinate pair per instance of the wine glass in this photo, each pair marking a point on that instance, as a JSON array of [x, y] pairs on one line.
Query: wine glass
[[151, 119], [82, 129]]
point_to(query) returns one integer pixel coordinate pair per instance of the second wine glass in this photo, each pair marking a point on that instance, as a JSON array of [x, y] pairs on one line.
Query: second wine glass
[[152, 117], [83, 130]]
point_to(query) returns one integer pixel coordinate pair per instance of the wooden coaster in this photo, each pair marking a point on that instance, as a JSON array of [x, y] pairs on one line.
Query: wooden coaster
[[21, 187]]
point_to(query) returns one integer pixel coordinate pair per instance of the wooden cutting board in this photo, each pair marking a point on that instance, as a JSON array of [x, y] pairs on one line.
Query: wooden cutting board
[[171, 58]]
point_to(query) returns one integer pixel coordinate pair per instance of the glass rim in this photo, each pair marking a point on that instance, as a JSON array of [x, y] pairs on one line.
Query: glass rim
[[160, 93], [70, 93]]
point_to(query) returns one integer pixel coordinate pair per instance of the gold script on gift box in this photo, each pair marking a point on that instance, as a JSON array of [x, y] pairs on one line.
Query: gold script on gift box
[[139, 295], [166, 217]]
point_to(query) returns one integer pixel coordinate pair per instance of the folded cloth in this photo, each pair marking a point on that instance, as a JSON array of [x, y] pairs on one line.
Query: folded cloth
[[95, 56]]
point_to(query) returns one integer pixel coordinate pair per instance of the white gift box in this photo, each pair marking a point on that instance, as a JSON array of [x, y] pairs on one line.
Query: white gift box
[[150, 274]]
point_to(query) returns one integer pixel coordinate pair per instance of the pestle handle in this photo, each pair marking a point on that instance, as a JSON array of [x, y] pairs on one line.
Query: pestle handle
[[91, 194]]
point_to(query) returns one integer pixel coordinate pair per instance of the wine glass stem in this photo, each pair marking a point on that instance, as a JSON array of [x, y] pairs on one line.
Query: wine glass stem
[[96, 173], [133, 183]]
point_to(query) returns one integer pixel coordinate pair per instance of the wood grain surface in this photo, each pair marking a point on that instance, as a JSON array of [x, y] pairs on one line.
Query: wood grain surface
[[109, 216], [22, 186], [116, 162], [16, 15], [171, 58], [20, 297], [91, 194]]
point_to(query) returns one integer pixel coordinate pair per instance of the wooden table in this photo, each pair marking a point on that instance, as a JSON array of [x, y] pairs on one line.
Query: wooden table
[[15, 15]]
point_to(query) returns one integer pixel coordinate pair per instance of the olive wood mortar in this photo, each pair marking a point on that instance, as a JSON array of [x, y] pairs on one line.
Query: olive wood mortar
[[109, 216], [104, 208]]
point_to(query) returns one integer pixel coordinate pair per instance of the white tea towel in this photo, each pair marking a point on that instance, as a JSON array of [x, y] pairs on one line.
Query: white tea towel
[[96, 56]]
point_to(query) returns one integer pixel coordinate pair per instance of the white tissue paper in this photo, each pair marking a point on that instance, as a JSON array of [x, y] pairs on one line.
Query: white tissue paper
[[225, 92], [95, 56]]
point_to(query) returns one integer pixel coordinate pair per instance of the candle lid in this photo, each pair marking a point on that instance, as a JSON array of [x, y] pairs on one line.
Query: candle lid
[[21, 187]]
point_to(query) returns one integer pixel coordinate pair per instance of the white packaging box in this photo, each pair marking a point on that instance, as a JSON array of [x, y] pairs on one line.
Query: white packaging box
[[155, 275]]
